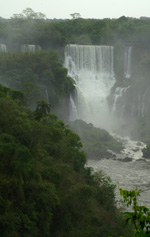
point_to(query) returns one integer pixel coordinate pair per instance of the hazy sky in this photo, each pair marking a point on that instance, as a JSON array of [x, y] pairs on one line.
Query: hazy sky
[[87, 8]]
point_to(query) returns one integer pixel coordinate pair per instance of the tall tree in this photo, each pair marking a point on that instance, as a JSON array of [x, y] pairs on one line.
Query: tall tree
[[42, 109], [75, 15], [28, 13]]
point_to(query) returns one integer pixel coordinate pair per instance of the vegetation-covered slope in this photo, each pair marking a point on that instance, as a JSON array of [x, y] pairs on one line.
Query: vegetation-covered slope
[[40, 75], [45, 190], [96, 142]]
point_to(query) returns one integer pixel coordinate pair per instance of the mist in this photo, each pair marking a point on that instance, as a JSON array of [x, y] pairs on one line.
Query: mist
[[92, 68], [110, 91], [112, 86]]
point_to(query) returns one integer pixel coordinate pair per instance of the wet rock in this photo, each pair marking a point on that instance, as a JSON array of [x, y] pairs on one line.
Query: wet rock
[[111, 154], [141, 160], [136, 149], [126, 159]]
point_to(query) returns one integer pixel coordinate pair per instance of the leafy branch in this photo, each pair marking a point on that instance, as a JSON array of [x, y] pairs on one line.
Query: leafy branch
[[140, 216]]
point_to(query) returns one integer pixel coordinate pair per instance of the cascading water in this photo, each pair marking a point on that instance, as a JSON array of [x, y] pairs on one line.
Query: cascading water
[[73, 110], [30, 48], [127, 62], [91, 67], [47, 97], [3, 48], [118, 103]]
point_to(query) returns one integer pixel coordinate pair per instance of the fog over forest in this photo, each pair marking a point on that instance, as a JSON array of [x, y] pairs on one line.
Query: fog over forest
[[74, 121]]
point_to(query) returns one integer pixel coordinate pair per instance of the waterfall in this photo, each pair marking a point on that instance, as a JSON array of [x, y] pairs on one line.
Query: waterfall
[[30, 48], [127, 62], [117, 95], [73, 110], [3, 48], [91, 67], [47, 97], [119, 102]]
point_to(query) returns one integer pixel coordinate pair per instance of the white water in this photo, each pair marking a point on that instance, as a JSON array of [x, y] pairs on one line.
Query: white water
[[3, 48], [117, 95], [30, 48], [127, 66], [118, 105], [128, 175], [73, 110], [91, 67], [47, 97]]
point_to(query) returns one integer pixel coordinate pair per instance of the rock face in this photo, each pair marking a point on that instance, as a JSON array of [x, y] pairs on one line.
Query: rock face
[[112, 85], [91, 67], [126, 159], [130, 95]]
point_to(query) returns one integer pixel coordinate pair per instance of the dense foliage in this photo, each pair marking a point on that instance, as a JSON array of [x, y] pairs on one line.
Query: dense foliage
[[97, 142], [45, 189], [33, 28], [139, 216], [34, 74], [40, 75]]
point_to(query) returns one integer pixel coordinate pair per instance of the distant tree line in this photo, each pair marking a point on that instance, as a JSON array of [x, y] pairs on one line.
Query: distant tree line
[[30, 27]]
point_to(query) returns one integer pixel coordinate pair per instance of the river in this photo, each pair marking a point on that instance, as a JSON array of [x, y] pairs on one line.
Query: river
[[92, 68], [127, 170]]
